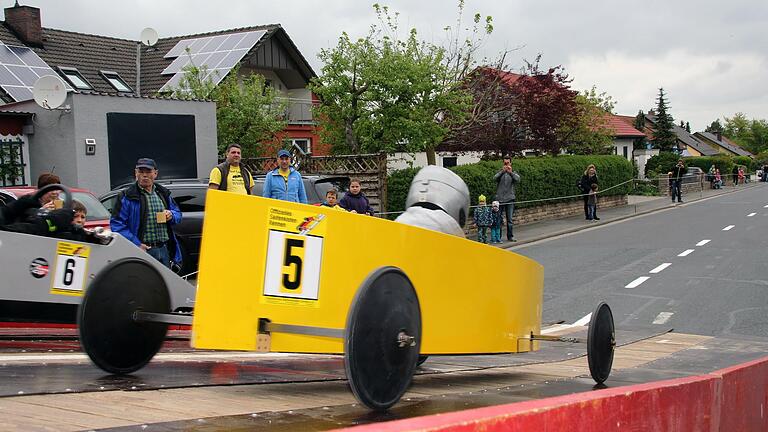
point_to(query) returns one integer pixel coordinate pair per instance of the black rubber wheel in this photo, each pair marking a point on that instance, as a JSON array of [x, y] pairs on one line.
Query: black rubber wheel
[[380, 356], [422, 359], [601, 341], [108, 333]]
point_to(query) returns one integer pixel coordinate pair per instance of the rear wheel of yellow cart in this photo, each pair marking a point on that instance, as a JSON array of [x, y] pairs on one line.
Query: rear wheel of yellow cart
[[383, 338], [109, 333], [601, 341]]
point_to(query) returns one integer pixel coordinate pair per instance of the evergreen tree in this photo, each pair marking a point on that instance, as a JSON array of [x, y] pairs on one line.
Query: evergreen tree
[[664, 137], [687, 127]]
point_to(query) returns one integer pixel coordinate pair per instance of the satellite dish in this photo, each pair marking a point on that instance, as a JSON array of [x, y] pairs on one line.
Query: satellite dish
[[149, 36], [49, 92]]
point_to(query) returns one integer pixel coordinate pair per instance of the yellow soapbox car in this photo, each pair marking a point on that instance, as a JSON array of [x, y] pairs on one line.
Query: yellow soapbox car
[[285, 277]]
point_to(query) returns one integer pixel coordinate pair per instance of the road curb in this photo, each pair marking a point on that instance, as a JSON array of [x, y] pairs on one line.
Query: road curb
[[616, 219]]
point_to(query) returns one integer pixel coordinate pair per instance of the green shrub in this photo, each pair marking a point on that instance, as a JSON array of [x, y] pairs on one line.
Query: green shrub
[[541, 178], [746, 161], [661, 163]]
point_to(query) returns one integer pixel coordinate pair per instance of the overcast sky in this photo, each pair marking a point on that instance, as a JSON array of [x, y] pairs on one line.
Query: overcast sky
[[710, 56]]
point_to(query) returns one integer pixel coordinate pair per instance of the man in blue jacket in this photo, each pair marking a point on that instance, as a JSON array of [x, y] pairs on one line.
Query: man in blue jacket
[[144, 214], [284, 182]]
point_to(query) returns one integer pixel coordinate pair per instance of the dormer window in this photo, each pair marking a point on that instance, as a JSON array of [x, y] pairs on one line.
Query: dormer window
[[75, 78], [118, 83]]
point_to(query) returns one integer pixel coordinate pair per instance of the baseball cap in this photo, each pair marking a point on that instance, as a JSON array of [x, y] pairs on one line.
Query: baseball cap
[[283, 152], [146, 163]]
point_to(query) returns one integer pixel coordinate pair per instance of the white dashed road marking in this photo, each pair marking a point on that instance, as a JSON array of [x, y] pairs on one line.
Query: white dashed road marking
[[728, 228], [660, 268], [765, 206], [663, 317], [702, 243], [584, 320], [637, 282], [751, 214], [685, 252]]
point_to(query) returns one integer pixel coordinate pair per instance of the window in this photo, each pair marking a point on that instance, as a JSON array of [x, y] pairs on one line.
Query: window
[[305, 144], [190, 200], [114, 79], [625, 151], [449, 161], [75, 78]]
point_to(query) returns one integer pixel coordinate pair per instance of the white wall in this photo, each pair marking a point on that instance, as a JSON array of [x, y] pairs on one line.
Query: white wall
[[620, 143], [641, 158], [398, 161]]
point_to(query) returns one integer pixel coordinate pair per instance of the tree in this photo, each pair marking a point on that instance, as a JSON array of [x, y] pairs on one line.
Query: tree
[[591, 133], [545, 108], [664, 137], [749, 134], [639, 124], [248, 111], [687, 127], [384, 93], [715, 127]]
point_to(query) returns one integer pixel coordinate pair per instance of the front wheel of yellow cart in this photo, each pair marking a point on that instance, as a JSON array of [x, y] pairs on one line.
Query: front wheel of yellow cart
[[383, 338]]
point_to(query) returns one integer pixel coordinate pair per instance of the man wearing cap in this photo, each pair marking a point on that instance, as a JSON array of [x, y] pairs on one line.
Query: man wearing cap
[[284, 182], [144, 214], [230, 175]]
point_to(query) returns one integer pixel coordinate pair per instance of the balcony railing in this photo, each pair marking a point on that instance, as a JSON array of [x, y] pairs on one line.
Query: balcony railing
[[299, 111]]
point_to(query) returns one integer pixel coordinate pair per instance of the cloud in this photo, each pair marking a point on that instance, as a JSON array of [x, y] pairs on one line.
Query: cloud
[[700, 88]]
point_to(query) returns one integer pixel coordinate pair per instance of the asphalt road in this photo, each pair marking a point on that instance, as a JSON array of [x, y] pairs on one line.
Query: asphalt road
[[718, 288]]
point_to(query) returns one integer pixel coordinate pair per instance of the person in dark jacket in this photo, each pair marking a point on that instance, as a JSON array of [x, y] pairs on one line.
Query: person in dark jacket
[[506, 179], [677, 181], [585, 186], [144, 214], [14, 217], [355, 200]]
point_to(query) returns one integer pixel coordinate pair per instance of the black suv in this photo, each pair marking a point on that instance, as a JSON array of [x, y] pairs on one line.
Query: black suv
[[190, 196]]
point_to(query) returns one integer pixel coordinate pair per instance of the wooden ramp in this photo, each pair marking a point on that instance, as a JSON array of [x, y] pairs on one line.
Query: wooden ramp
[[94, 410]]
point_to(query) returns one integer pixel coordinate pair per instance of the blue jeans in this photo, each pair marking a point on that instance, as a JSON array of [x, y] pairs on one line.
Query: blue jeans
[[496, 234], [160, 253], [591, 211], [482, 234], [509, 210], [677, 190]]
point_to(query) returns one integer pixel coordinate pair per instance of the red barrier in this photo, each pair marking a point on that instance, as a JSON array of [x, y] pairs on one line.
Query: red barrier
[[732, 399]]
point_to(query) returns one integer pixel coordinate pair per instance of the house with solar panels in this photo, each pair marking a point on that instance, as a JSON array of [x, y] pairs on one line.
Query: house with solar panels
[[118, 105]]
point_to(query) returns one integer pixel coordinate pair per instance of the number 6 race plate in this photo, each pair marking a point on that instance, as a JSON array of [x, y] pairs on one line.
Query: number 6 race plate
[[294, 255], [71, 268]]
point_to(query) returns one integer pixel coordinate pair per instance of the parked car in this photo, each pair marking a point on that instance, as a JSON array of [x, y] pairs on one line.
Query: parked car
[[693, 175], [189, 194], [97, 216]]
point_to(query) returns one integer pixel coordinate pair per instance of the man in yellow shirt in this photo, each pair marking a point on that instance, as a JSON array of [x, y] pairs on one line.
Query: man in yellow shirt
[[238, 178]]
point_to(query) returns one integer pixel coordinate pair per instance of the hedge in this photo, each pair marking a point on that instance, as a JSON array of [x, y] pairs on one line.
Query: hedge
[[541, 178]]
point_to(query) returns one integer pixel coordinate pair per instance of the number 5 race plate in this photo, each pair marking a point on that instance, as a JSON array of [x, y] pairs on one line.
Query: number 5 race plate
[[294, 255], [71, 268]]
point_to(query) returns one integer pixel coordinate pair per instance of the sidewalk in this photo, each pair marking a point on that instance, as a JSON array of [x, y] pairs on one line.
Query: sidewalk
[[638, 205]]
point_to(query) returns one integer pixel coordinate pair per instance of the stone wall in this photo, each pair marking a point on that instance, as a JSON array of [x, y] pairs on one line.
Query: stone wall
[[697, 185]]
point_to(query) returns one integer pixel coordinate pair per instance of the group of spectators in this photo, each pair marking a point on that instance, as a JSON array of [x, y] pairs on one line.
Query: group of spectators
[[145, 212]]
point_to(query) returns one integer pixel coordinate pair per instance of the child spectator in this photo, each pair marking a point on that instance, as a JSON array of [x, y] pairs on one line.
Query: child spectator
[[718, 183], [592, 202], [330, 200], [355, 201], [80, 213], [497, 219], [482, 217]]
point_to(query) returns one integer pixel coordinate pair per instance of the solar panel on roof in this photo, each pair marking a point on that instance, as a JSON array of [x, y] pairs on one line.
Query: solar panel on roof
[[219, 54], [20, 67]]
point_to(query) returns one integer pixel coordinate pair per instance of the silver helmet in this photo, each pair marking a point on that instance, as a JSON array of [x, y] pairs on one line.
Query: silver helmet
[[435, 188]]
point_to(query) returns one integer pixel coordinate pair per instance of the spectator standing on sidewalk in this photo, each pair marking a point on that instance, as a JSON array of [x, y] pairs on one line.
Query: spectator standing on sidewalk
[[741, 175], [765, 172], [735, 175], [506, 179], [585, 185], [592, 202], [677, 181], [482, 216], [284, 182], [230, 175], [497, 218], [718, 183]]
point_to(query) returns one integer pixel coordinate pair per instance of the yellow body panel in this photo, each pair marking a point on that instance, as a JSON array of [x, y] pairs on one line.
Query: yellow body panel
[[474, 298]]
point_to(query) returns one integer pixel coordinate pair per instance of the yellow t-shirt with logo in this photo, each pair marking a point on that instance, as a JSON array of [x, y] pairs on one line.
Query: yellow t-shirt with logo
[[235, 181]]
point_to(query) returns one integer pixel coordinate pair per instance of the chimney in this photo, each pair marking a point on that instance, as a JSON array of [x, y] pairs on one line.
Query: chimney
[[719, 136], [25, 23]]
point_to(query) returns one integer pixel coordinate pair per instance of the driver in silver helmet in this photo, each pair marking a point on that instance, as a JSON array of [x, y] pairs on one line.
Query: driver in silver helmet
[[438, 199]]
